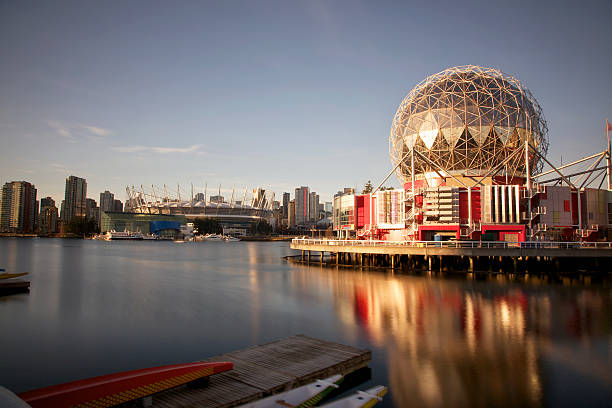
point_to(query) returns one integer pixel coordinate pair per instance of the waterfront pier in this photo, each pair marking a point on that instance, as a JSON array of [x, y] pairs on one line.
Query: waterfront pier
[[267, 369], [468, 256]]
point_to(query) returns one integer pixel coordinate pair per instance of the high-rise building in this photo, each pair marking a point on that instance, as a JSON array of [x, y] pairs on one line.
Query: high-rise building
[[313, 207], [217, 199], [18, 207], [329, 207], [199, 197], [285, 207], [46, 202], [107, 201], [117, 206], [92, 210], [47, 220], [75, 198], [291, 214], [302, 205]]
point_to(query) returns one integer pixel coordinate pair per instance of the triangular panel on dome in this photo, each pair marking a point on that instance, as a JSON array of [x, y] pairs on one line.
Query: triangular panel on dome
[[429, 130], [440, 152], [451, 126], [410, 139], [479, 133], [503, 133], [414, 123]]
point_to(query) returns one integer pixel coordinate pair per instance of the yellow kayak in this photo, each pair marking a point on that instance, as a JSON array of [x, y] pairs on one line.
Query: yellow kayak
[[12, 275]]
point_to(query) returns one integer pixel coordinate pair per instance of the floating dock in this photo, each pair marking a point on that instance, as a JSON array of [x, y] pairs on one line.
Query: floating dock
[[267, 369], [469, 256]]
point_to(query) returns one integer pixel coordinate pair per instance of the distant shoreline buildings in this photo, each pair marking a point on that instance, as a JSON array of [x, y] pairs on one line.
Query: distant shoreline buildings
[[78, 214]]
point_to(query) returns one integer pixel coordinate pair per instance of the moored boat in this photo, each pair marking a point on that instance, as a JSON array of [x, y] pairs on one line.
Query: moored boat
[[213, 237], [304, 396], [360, 399], [113, 389], [123, 235]]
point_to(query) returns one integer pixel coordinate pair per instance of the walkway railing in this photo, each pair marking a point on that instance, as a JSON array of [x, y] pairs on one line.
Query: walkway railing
[[452, 244]]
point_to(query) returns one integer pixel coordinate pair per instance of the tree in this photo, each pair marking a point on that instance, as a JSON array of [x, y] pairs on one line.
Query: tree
[[261, 227], [368, 188], [82, 226]]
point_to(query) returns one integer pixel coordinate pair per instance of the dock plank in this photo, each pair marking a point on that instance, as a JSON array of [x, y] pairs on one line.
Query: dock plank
[[266, 369]]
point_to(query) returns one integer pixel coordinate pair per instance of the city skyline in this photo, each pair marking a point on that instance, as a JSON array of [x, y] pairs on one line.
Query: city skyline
[[269, 95]]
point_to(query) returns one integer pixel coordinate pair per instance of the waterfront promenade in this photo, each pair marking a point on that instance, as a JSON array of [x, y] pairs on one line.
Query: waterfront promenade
[[470, 255]]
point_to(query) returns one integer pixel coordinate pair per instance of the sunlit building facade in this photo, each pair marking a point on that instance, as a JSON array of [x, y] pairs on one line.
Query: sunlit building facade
[[18, 207], [469, 144], [75, 198]]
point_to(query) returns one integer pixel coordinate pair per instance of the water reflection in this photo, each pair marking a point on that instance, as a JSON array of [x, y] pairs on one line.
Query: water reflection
[[457, 343]]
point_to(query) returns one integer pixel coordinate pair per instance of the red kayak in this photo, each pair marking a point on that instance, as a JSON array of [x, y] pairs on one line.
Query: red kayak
[[113, 389]]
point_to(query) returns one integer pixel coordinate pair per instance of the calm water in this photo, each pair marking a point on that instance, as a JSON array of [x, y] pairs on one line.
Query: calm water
[[97, 307]]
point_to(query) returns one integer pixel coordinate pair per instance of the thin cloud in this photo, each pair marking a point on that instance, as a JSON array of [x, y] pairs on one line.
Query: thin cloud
[[73, 132], [60, 168], [193, 149]]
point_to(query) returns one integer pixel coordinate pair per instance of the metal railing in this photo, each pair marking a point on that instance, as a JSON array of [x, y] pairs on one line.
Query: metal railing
[[453, 244]]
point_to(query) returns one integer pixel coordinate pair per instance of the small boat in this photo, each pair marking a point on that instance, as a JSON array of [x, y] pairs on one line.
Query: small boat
[[6, 275], [304, 396], [361, 399], [123, 235], [229, 238], [213, 237], [12, 286], [113, 389], [9, 285]]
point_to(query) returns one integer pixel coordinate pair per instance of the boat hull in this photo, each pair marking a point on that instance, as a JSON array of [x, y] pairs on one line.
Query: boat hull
[[113, 389]]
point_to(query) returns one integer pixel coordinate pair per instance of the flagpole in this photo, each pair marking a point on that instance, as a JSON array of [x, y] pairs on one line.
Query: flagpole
[[608, 155]]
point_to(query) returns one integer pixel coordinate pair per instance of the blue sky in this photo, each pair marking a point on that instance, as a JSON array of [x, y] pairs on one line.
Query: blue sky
[[275, 94]]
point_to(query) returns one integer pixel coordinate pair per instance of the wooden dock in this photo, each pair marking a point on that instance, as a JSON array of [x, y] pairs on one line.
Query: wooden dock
[[267, 369]]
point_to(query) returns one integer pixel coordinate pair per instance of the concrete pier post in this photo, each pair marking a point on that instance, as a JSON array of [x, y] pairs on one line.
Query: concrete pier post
[[440, 258], [308, 255], [302, 255], [429, 260], [471, 258], [337, 258], [322, 257], [392, 261]]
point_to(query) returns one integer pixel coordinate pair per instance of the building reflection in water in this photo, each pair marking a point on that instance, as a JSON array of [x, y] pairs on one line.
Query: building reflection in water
[[463, 343]]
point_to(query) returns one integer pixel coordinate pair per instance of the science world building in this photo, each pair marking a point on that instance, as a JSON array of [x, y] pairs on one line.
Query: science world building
[[469, 144]]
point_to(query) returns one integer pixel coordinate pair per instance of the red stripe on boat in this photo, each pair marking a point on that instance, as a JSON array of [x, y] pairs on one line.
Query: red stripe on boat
[[113, 389]]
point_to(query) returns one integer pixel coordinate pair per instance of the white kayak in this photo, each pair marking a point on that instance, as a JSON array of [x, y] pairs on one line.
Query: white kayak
[[306, 395], [361, 399]]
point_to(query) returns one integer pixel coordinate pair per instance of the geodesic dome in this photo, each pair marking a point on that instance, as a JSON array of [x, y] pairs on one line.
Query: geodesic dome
[[467, 120]]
